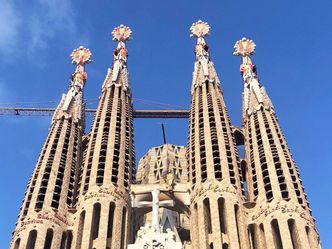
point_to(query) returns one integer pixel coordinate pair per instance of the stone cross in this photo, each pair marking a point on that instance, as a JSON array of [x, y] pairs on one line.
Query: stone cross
[[155, 204]]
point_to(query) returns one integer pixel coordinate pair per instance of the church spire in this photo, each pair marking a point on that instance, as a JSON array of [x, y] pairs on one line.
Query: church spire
[[109, 162], [215, 172], [273, 181], [50, 193], [254, 95]]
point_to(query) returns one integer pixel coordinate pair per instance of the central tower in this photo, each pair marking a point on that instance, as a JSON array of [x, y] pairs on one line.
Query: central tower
[[215, 171]]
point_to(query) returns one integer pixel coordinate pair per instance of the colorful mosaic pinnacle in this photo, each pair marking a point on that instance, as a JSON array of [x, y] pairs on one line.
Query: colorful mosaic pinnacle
[[200, 29], [81, 56], [244, 47], [122, 33]]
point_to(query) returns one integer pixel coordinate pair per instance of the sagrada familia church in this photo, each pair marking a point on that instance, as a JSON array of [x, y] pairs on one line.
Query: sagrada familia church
[[85, 191]]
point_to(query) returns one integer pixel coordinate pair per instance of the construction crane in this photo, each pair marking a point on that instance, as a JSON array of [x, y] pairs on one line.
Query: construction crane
[[173, 111], [21, 109], [24, 111]]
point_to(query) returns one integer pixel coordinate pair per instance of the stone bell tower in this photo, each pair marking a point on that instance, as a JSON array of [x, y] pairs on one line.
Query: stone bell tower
[[44, 216], [103, 207], [280, 216], [217, 196]]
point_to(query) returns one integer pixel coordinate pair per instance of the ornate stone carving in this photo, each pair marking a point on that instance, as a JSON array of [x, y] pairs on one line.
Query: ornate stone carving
[[148, 238], [283, 208], [106, 192], [215, 187]]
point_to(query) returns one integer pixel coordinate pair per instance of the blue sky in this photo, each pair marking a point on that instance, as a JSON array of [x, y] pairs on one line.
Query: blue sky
[[293, 57]]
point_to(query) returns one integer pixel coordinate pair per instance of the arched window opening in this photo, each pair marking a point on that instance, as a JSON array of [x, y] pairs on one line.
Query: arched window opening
[[207, 215], [48, 239], [252, 236], [123, 228], [95, 220], [63, 240], [221, 209], [17, 243], [110, 220], [276, 234], [69, 239], [311, 237], [294, 234], [66, 239], [32, 240]]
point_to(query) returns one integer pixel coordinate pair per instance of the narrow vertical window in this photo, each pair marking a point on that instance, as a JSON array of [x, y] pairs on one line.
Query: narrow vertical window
[[95, 220], [32, 240], [110, 220], [207, 215], [276, 234], [17, 243], [310, 236], [48, 239], [69, 239], [123, 228], [63, 240], [252, 236], [294, 234], [221, 209]]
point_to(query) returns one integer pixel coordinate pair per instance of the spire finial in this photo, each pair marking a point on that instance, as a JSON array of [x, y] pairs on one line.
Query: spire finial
[[80, 56], [200, 29], [121, 33], [244, 47]]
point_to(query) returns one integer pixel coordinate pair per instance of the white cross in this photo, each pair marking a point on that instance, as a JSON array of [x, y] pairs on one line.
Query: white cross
[[155, 204]]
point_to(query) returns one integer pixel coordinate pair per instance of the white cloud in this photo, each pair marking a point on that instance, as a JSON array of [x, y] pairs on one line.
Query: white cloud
[[52, 17], [9, 27], [34, 25]]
